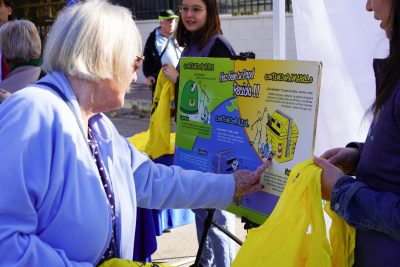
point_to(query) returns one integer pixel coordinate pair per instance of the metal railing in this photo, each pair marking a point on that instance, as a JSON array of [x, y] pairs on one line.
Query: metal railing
[[149, 9], [248, 7], [43, 12]]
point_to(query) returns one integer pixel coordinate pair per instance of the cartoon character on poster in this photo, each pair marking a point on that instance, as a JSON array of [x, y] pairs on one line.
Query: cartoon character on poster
[[194, 102], [282, 132], [258, 127], [203, 109], [226, 162]]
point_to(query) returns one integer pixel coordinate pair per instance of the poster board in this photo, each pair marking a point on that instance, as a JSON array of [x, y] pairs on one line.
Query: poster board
[[232, 114]]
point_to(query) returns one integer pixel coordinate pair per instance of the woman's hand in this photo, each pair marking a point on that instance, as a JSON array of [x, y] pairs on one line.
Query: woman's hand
[[149, 81], [247, 182], [346, 158], [170, 73], [329, 177]]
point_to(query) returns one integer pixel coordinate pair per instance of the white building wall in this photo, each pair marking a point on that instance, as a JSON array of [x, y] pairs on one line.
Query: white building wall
[[245, 33]]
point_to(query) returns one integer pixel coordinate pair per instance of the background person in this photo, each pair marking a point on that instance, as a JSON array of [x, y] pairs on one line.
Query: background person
[[161, 48], [6, 11], [21, 46], [371, 202], [199, 32], [70, 182]]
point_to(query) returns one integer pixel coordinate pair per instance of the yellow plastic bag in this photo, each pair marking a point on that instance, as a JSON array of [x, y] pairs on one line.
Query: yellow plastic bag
[[160, 120], [158, 139], [295, 232], [342, 237], [140, 140], [127, 263]]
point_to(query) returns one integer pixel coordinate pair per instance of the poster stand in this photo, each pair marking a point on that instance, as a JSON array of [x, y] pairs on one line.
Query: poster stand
[[234, 113], [207, 225]]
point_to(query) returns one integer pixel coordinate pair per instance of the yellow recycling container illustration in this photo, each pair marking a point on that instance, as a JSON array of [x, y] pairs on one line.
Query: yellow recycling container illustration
[[282, 133]]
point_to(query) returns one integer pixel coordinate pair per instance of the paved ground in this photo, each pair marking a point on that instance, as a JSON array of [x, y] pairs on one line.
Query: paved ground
[[179, 247], [135, 115]]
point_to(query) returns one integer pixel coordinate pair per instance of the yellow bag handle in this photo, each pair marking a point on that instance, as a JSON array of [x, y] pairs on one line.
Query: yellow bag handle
[[115, 262], [343, 239]]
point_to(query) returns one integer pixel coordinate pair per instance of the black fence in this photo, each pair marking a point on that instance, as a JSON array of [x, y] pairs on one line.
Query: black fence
[[248, 7], [149, 9], [43, 12]]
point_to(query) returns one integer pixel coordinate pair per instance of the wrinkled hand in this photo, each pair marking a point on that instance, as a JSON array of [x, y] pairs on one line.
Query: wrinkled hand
[[344, 157], [329, 177], [170, 73], [247, 182]]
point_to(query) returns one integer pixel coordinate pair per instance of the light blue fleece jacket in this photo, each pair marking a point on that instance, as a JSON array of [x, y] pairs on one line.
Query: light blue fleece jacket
[[53, 207]]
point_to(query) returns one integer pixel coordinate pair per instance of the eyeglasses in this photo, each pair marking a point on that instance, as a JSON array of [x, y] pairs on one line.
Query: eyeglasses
[[137, 63], [194, 9]]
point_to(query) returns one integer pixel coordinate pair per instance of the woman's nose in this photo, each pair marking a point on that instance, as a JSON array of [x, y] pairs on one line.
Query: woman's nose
[[368, 6]]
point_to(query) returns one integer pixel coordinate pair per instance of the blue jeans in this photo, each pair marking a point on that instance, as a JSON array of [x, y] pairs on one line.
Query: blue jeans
[[219, 249]]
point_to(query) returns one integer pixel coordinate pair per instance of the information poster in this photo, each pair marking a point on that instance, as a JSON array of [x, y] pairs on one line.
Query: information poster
[[233, 114]]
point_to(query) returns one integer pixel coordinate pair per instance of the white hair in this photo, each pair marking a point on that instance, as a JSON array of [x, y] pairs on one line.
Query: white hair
[[93, 40], [20, 41]]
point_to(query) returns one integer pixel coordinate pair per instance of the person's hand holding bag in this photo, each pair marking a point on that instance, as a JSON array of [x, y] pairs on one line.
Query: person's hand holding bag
[[344, 157], [170, 73], [329, 177]]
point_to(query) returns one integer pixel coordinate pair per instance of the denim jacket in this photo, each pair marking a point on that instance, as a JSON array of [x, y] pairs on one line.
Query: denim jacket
[[371, 202]]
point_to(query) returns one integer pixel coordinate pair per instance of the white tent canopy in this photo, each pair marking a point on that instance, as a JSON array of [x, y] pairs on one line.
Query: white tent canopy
[[345, 38]]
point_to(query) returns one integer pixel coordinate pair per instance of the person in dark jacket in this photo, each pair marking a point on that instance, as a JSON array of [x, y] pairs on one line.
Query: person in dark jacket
[[161, 48], [371, 201], [199, 32]]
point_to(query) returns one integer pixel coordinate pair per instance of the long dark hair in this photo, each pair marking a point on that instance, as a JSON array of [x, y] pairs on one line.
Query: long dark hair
[[390, 69], [203, 35], [10, 3]]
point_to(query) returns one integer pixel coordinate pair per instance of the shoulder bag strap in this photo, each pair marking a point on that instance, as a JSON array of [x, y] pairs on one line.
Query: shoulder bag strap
[[165, 48]]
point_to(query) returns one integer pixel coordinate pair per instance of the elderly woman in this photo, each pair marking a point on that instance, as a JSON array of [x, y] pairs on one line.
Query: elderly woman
[[21, 46], [70, 182]]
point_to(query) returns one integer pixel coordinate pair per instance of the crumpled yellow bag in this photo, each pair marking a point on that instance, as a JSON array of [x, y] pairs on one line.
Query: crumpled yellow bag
[[127, 263], [295, 232], [342, 238], [158, 139]]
